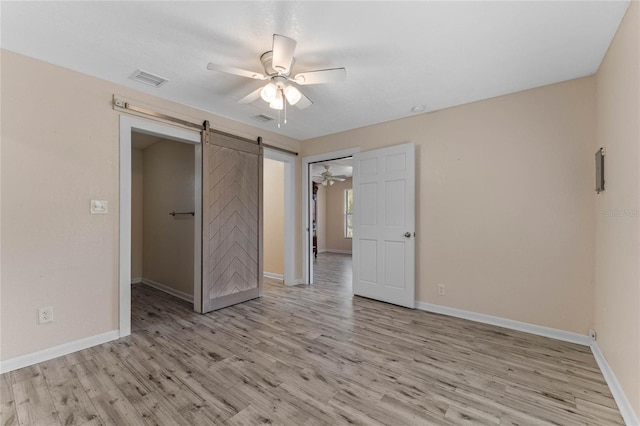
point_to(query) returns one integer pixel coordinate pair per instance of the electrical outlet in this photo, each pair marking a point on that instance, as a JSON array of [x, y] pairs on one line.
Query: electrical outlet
[[592, 334], [99, 207], [45, 315], [441, 291]]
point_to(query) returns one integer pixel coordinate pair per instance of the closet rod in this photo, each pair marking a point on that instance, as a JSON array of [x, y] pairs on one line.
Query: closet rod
[[177, 213]]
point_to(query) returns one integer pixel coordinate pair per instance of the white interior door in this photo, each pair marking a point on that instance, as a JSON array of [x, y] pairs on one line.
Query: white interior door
[[384, 224]]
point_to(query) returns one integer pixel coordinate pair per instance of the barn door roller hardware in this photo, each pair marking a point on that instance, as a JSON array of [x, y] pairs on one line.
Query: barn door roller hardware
[[120, 104], [123, 105]]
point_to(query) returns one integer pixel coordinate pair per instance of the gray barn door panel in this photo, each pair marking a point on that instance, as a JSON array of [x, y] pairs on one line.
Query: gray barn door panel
[[232, 221]]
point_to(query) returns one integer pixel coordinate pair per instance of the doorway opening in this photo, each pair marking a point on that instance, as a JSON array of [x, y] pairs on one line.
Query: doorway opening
[[128, 125], [327, 192], [332, 222], [279, 215], [163, 214], [130, 129]]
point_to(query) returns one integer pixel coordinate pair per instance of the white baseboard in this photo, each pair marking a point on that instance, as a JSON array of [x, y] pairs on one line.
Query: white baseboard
[[136, 280], [274, 276], [321, 250], [554, 333], [625, 407], [162, 287], [56, 351], [337, 251]]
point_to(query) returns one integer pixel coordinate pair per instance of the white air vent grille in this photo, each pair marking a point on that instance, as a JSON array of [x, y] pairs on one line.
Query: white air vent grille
[[263, 118], [148, 78]]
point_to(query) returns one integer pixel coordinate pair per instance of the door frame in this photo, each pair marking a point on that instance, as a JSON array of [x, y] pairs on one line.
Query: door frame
[[129, 124], [289, 212], [307, 240]]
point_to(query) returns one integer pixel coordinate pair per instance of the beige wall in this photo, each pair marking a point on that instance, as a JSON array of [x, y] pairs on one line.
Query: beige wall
[[617, 291], [505, 206], [321, 220], [273, 184], [1, 207], [169, 182], [335, 217], [54, 253], [136, 212], [506, 216]]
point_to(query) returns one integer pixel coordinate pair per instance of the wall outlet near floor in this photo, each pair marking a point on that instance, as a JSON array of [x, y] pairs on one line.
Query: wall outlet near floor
[[441, 290], [592, 334], [45, 315]]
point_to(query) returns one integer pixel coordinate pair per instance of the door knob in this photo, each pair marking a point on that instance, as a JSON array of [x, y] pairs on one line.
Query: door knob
[[407, 234]]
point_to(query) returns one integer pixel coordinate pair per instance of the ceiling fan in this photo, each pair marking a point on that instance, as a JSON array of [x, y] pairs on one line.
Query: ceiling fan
[[278, 64], [327, 178]]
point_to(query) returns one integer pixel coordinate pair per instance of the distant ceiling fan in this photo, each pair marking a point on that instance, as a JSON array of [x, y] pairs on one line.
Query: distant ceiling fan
[[278, 64], [328, 178]]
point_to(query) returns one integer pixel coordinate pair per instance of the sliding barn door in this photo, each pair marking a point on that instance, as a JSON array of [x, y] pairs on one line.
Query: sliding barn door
[[232, 220]]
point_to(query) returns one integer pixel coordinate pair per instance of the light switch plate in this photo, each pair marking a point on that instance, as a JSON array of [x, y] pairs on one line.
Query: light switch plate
[[99, 207]]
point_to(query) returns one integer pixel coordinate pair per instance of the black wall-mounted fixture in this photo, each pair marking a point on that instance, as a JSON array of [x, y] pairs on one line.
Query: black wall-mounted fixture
[[600, 171]]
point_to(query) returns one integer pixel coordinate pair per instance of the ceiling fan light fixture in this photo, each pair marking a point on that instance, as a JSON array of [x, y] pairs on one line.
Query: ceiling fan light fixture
[[269, 92], [278, 64], [292, 94], [278, 101]]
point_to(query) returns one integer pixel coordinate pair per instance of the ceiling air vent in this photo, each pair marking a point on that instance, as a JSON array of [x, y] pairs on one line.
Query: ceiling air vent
[[148, 78], [262, 118]]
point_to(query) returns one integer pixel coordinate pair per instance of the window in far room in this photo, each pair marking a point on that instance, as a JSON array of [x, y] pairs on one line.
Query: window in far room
[[348, 213]]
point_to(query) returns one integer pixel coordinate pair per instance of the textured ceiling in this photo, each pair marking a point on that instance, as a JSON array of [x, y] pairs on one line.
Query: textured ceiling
[[398, 54]]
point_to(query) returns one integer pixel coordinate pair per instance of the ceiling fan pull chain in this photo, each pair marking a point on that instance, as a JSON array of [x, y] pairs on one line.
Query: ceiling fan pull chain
[[278, 119]]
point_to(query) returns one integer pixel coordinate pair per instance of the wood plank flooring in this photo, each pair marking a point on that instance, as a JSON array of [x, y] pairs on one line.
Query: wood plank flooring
[[310, 356]]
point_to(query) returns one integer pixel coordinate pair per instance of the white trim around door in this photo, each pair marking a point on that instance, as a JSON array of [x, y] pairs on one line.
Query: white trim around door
[[127, 125], [307, 241]]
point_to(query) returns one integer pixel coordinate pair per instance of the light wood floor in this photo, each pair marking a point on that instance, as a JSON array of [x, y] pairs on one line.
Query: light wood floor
[[311, 356]]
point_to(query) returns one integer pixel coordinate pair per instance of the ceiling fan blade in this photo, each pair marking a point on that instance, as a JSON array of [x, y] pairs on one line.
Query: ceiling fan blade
[[251, 96], [317, 179], [321, 76], [339, 177], [283, 50], [236, 71], [304, 102]]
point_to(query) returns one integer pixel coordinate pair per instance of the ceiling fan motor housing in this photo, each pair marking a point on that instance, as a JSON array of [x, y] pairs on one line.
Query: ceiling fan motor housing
[[267, 63]]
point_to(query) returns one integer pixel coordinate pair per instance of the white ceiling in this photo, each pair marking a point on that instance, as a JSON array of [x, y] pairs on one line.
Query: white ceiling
[[398, 54]]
